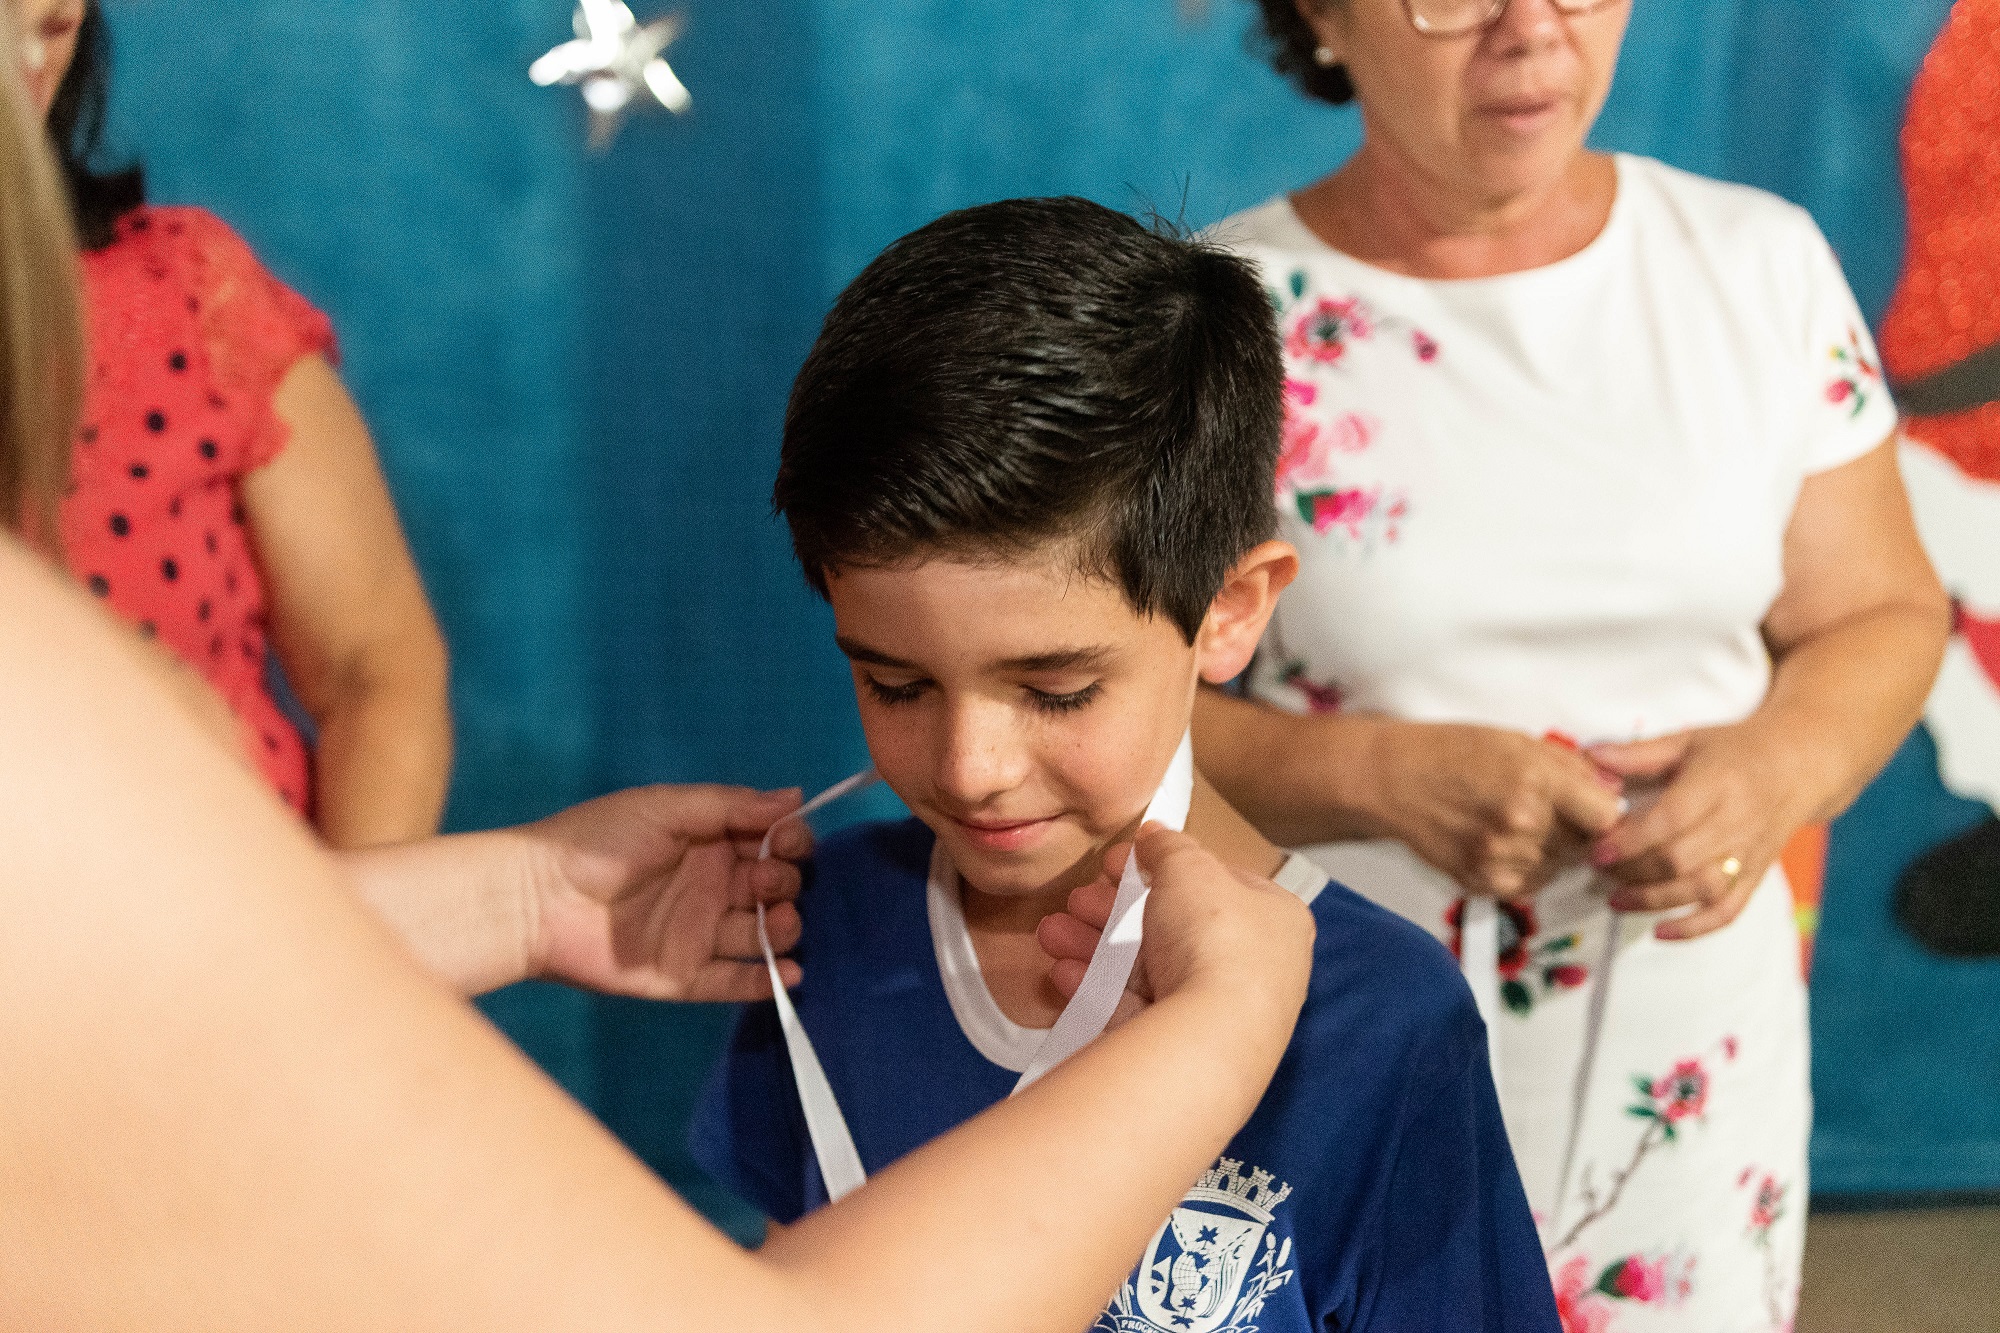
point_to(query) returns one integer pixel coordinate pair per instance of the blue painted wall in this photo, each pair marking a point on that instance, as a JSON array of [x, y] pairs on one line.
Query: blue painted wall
[[576, 367]]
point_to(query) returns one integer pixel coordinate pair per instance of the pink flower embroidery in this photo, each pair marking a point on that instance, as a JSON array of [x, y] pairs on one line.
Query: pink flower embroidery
[[1517, 927], [1319, 698], [1729, 1048], [1853, 373], [1327, 509], [1322, 333], [1530, 968], [1298, 458], [1636, 1279], [1682, 1093], [1768, 1206], [1665, 1280], [1425, 345], [1306, 444], [1359, 513], [1352, 433], [1580, 1308]]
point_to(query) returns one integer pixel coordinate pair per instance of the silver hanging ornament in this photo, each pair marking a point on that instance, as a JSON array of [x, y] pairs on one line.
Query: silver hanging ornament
[[616, 60]]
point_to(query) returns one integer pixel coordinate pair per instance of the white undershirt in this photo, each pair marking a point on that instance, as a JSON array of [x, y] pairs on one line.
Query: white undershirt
[[993, 1034]]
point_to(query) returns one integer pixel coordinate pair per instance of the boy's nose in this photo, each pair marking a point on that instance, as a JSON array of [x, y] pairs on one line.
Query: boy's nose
[[981, 757]]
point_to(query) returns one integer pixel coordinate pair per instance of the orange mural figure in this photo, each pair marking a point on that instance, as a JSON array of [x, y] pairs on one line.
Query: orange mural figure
[[1941, 346]]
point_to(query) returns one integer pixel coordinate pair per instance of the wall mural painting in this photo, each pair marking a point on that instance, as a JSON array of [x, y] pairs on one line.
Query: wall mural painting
[[1941, 345]]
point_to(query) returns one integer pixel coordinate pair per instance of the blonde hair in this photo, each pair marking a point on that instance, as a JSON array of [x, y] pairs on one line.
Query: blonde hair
[[41, 336]]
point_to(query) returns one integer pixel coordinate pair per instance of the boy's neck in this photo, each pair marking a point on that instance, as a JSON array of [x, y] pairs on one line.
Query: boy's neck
[[1003, 928]]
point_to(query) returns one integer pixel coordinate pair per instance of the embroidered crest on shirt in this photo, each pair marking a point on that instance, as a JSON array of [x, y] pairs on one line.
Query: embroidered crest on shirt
[[1214, 1264]]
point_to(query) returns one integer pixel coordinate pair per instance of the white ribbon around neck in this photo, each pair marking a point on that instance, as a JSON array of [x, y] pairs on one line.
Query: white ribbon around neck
[[1081, 1022]]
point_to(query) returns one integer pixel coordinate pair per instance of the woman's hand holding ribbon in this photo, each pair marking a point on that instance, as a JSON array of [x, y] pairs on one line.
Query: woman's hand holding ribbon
[[1205, 925], [653, 892], [1730, 804]]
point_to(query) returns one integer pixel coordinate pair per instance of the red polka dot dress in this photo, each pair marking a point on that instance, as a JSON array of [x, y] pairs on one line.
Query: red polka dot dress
[[189, 337]]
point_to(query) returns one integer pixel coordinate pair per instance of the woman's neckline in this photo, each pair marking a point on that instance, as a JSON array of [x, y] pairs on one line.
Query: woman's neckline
[[1613, 223]]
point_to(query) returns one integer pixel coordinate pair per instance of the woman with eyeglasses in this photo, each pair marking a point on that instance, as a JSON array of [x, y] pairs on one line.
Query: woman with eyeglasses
[[1609, 587], [225, 497]]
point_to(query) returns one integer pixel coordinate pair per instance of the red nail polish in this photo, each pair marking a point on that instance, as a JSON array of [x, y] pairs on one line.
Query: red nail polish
[[1602, 856]]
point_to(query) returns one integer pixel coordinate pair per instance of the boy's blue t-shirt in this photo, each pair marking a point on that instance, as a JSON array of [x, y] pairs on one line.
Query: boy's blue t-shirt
[[1372, 1189]]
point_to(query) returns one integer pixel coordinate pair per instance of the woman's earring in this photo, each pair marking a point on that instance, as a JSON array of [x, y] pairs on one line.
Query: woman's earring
[[1325, 58]]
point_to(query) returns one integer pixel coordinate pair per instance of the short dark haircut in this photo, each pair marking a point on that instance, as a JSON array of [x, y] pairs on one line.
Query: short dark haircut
[[76, 132], [1038, 371], [1289, 44]]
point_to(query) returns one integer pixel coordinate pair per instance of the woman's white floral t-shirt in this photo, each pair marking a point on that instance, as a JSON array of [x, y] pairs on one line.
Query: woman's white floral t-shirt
[[1556, 501]]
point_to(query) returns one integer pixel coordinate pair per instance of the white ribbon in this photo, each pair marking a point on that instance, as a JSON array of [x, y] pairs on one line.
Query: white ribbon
[[1479, 960], [1082, 1020], [1089, 1011], [839, 1163]]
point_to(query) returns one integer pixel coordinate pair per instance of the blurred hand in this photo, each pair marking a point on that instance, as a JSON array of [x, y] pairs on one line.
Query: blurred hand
[[1729, 793], [1499, 812], [652, 892], [1205, 924]]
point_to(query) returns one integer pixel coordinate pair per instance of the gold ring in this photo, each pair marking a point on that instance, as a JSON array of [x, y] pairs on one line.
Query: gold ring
[[1732, 868]]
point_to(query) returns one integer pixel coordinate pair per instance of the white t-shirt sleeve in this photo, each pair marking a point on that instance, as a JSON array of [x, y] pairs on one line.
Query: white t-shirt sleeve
[[1848, 407]]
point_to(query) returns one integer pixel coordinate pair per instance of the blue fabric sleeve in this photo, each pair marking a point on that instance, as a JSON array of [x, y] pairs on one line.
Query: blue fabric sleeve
[[747, 1131], [1458, 1246]]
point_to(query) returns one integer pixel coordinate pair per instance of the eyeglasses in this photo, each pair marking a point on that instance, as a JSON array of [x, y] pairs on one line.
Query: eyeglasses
[[1456, 18]]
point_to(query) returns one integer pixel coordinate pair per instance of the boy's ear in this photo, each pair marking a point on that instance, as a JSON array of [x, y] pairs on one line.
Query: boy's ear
[[1237, 616]]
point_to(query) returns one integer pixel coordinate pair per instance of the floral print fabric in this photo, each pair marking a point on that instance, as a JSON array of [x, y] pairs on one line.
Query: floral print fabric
[[1555, 501], [1322, 466]]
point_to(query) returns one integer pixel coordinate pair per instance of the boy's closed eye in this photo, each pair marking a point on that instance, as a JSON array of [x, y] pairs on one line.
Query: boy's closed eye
[[895, 692], [1047, 700], [1064, 702]]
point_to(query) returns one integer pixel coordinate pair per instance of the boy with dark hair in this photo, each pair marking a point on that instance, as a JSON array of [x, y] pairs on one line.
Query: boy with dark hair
[[1030, 463]]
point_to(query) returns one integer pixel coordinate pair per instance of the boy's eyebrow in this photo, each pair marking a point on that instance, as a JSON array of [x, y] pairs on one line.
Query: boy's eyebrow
[[1060, 659], [861, 652]]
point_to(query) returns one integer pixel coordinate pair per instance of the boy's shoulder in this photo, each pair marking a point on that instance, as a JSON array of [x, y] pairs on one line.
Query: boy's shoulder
[[1386, 982]]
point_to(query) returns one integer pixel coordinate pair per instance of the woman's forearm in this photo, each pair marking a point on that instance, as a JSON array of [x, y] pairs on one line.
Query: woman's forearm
[[1842, 700], [1301, 779], [382, 764], [461, 905]]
